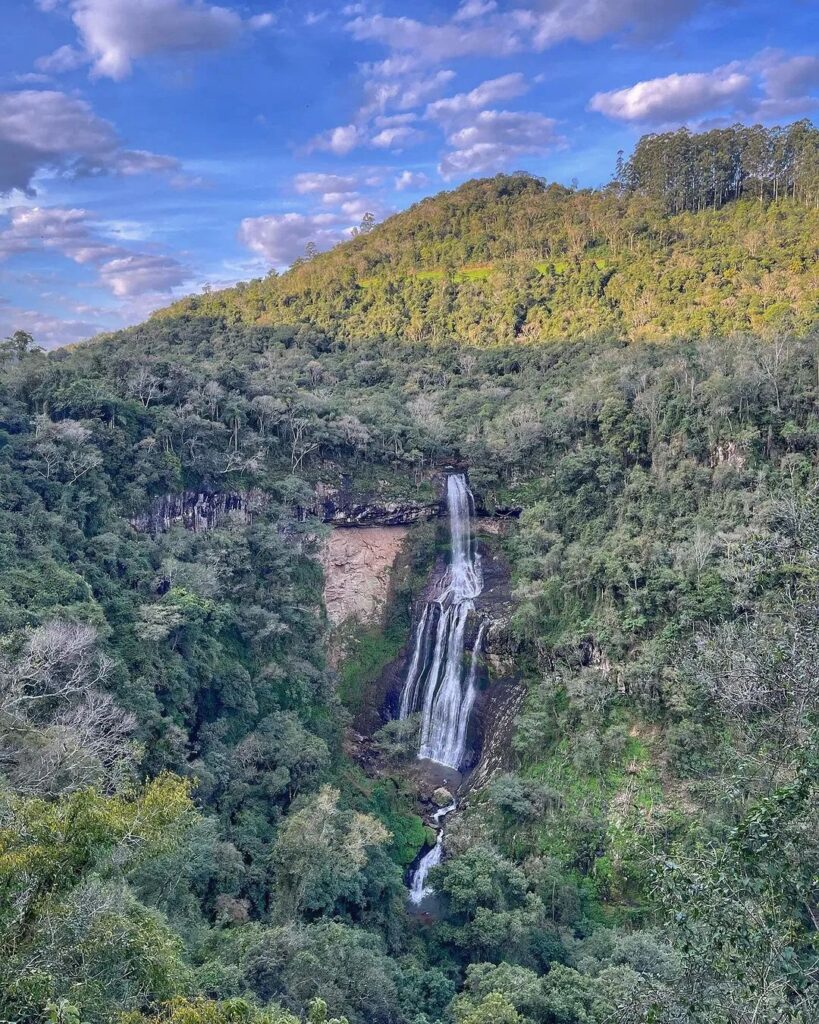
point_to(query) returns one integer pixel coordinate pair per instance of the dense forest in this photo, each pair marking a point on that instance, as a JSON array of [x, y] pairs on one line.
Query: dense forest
[[185, 836], [697, 236]]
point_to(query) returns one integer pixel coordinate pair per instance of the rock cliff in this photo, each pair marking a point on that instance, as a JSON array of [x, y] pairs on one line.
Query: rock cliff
[[357, 566]]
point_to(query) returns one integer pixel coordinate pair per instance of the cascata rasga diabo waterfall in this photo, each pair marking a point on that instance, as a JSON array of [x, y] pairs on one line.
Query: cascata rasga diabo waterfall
[[438, 683]]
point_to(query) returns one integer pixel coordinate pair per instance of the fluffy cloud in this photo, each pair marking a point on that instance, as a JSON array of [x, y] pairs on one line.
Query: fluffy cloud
[[411, 180], [281, 238], [494, 138], [74, 234], [390, 88], [393, 133], [675, 97], [64, 230], [768, 86], [141, 273], [47, 330], [115, 33], [314, 183], [42, 129], [396, 132], [480, 28], [504, 88], [341, 140]]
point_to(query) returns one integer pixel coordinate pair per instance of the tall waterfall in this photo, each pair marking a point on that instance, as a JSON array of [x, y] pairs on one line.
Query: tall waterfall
[[437, 682]]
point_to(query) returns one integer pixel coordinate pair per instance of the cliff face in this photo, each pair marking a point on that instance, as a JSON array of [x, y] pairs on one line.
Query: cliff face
[[378, 513], [198, 510], [203, 510], [357, 566]]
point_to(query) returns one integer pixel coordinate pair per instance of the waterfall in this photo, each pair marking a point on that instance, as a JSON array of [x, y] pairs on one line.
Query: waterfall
[[435, 681], [419, 890]]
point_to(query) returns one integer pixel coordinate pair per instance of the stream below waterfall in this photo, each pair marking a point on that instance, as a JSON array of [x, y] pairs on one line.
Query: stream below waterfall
[[438, 682]]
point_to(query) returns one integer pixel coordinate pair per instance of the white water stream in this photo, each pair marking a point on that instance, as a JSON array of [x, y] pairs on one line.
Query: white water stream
[[419, 890], [437, 682]]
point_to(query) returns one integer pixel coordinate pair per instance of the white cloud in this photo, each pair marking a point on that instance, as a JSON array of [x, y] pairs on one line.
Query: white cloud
[[394, 133], [44, 129], [115, 33], [675, 97], [141, 273], [504, 88], [415, 91], [400, 91], [474, 9], [312, 183], [423, 43], [64, 58], [553, 21], [65, 230], [281, 238], [75, 234], [481, 29], [771, 85], [341, 140], [411, 180], [354, 210], [494, 138], [47, 330], [397, 139]]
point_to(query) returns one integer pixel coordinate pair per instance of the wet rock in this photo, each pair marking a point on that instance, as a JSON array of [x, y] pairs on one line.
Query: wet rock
[[199, 510], [391, 513], [442, 797]]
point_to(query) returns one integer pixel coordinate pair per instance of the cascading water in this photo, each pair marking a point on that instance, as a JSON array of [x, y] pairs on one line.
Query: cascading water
[[419, 890], [435, 682]]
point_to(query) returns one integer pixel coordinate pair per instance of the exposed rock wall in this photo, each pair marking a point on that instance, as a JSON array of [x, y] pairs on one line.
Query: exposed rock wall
[[198, 511], [390, 513], [203, 510], [357, 566]]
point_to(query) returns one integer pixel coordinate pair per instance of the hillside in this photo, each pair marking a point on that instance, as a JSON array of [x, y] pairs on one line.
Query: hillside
[[512, 260], [210, 807]]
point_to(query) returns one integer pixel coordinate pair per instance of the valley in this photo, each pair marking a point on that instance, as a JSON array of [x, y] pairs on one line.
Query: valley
[[435, 650]]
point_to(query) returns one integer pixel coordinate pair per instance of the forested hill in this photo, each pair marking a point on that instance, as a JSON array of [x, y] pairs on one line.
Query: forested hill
[[193, 828], [698, 236]]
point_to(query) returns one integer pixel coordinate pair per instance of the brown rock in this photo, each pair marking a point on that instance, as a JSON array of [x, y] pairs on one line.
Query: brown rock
[[357, 566], [442, 797]]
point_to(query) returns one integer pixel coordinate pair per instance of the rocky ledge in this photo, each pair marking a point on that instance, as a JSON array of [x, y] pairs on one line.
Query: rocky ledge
[[198, 510], [379, 513], [201, 510]]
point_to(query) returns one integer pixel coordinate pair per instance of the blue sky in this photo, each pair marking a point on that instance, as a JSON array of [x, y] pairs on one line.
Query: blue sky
[[150, 148]]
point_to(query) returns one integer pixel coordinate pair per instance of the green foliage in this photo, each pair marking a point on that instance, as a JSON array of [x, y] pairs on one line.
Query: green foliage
[[701, 235], [70, 928], [366, 653], [204, 1011], [648, 852]]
